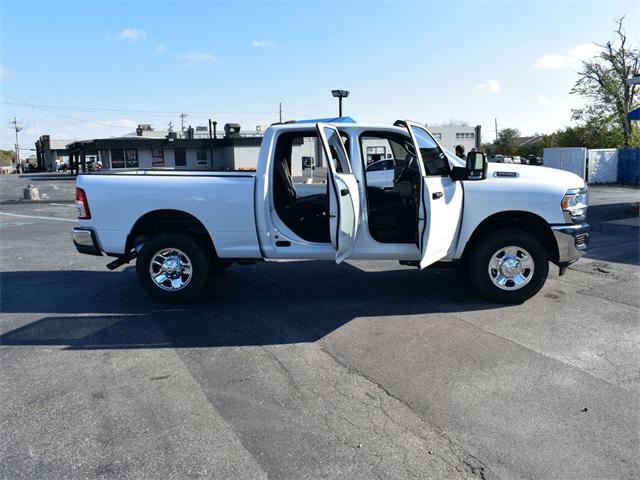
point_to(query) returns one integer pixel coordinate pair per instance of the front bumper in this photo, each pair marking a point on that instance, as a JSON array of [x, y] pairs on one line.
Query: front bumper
[[572, 241], [85, 241]]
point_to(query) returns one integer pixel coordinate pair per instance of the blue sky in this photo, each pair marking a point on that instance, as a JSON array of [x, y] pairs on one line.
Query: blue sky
[[95, 68]]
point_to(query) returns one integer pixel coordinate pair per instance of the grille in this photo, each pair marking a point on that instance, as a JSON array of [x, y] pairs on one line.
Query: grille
[[581, 240]]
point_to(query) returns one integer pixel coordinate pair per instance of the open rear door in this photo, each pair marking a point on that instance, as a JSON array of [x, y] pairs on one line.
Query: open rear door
[[344, 198], [440, 199]]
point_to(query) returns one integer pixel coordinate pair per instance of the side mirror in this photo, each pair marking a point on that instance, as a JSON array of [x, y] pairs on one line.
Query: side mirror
[[476, 166]]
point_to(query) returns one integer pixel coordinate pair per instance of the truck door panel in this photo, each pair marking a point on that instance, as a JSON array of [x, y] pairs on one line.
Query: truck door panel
[[344, 197]]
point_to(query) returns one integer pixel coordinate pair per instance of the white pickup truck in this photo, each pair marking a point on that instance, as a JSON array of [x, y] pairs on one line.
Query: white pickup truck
[[503, 223]]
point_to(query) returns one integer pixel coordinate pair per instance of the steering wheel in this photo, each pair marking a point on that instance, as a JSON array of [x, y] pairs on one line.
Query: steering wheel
[[410, 159]]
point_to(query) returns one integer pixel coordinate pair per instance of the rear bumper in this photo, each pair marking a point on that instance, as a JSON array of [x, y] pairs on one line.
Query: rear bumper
[[572, 240], [85, 241]]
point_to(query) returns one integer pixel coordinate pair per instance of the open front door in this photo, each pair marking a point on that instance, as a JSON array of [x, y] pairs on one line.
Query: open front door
[[440, 198], [344, 198]]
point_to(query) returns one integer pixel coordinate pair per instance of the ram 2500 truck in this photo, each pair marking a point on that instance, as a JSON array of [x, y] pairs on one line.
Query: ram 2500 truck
[[503, 223]]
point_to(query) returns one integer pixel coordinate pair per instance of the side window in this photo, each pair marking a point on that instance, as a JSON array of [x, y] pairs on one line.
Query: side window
[[434, 159], [398, 147], [337, 151], [374, 167]]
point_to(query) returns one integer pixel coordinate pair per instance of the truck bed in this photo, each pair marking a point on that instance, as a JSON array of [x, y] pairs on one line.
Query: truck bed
[[222, 201], [175, 172]]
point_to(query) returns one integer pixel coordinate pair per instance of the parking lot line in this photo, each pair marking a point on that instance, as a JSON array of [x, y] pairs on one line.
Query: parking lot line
[[38, 217]]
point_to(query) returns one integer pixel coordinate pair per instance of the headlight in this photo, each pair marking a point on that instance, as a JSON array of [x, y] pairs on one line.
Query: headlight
[[575, 203]]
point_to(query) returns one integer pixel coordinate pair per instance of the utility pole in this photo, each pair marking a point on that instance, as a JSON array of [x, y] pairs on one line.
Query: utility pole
[[17, 128], [170, 129], [211, 141], [182, 117], [496, 123], [280, 112]]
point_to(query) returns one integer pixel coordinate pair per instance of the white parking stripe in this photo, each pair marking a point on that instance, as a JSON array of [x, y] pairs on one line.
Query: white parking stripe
[[37, 217]]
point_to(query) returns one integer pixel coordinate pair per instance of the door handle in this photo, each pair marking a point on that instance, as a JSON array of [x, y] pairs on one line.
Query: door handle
[[344, 192], [436, 195]]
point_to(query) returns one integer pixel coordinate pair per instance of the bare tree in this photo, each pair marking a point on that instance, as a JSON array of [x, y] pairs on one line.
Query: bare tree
[[452, 122], [604, 80]]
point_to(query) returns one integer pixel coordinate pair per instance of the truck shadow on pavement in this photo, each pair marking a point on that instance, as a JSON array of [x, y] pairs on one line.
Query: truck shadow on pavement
[[283, 303]]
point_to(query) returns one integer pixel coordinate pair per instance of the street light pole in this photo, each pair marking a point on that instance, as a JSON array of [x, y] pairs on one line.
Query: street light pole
[[340, 94]]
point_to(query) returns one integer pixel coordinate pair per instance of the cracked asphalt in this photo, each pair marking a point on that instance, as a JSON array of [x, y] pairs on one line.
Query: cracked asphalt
[[307, 370]]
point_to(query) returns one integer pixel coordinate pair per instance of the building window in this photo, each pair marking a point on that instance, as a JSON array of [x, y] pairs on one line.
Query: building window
[[201, 157], [181, 157], [437, 135], [376, 153], [157, 157], [124, 158], [308, 162], [131, 157], [117, 158]]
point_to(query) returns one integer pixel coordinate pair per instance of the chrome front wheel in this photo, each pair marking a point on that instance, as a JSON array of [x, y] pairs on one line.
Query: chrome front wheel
[[508, 265], [511, 268]]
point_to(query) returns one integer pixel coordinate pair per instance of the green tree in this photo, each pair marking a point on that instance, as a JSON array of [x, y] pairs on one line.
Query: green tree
[[604, 81], [7, 157], [507, 142]]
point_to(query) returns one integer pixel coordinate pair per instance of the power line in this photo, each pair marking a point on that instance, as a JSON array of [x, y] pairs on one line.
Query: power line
[[124, 110], [78, 119]]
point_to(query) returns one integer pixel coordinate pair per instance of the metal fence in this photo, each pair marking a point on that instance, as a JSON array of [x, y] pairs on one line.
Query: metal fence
[[629, 166]]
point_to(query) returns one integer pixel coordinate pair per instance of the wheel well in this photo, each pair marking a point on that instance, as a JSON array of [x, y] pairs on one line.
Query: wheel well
[[169, 220], [527, 221]]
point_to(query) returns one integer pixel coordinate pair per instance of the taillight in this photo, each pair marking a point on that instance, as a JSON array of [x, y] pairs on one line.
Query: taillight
[[82, 205]]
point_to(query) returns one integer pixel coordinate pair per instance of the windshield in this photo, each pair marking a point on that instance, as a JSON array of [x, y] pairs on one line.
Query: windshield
[[454, 160]]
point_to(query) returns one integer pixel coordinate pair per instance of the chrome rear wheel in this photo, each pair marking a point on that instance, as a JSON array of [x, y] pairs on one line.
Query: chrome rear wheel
[[170, 269], [173, 267]]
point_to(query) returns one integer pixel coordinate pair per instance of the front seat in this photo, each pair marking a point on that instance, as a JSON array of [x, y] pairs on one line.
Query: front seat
[[284, 192]]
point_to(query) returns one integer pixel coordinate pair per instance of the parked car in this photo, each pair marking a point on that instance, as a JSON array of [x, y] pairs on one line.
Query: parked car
[[496, 159], [94, 165], [503, 223], [381, 174]]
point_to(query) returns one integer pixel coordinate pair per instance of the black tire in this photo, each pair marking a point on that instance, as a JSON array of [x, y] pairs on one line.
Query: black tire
[[196, 256], [482, 253]]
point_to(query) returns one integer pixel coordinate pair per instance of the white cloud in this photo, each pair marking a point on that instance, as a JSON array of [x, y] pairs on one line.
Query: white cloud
[[491, 86], [161, 49], [552, 62], [191, 59], [542, 100], [5, 73], [124, 123], [132, 34], [263, 44], [571, 59], [584, 51]]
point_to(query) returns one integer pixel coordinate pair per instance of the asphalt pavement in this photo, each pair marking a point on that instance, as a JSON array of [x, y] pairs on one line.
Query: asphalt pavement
[[305, 369]]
